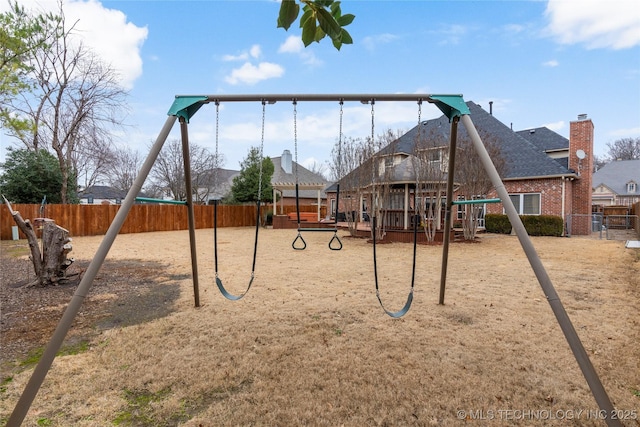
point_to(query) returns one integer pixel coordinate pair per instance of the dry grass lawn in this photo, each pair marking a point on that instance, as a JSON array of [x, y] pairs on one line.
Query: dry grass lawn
[[309, 345]]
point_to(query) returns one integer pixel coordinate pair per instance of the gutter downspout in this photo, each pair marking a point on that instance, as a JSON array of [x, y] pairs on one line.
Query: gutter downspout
[[564, 183]]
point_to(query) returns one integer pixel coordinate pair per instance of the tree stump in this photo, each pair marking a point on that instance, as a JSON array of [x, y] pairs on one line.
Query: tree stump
[[51, 263]]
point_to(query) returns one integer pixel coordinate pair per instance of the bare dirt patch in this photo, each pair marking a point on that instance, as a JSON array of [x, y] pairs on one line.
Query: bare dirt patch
[[125, 292], [309, 344]]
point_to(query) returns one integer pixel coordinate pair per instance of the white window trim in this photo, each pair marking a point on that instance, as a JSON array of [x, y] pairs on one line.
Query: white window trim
[[521, 204], [632, 187]]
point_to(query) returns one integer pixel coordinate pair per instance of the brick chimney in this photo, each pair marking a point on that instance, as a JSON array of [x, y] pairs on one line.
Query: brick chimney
[[581, 161], [286, 161]]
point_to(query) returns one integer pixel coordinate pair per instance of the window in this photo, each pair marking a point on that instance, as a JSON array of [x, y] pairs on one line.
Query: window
[[461, 209], [631, 187], [396, 201], [526, 204]]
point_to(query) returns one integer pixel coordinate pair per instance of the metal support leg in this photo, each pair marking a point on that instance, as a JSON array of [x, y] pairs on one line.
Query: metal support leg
[[192, 221], [569, 331], [41, 370], [447, 218]]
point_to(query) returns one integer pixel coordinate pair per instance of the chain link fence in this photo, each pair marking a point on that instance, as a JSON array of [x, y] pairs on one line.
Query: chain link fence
[[622, 227]]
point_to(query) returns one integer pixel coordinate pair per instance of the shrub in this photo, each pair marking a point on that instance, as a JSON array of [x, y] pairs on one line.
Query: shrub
[[497, 223], [536, 225], [543, 225]]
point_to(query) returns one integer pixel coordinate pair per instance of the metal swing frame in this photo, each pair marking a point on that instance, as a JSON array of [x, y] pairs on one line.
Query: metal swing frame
[[183, 109]]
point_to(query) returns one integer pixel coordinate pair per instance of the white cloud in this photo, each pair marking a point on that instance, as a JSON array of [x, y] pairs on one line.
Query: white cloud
[[452, 34], [552, 63], [255, 51], [370, 42], [105, 31], [293, 44], [240, 57], [251, 74], [613, 24], [556, 126], [514, 28], [626, 133]]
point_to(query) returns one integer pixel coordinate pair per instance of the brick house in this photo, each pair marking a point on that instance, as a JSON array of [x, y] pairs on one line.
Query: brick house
[[544, 173], [102, 195], [311, 186], [616, 184]]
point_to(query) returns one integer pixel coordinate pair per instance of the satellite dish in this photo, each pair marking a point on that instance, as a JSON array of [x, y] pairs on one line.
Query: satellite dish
[[581, 154]]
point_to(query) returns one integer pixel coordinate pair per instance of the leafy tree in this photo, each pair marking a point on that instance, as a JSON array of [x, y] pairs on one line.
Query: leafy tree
[[29, 176], [320, 18], [245, 185], [21, 35]]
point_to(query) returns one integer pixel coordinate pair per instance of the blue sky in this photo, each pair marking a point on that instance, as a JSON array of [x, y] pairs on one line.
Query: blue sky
[[541, 63]]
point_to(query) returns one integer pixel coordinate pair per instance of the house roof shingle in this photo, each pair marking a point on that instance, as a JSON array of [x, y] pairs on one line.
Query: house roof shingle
[[524, 152], [617, 174], [306, 179], [102, 192]]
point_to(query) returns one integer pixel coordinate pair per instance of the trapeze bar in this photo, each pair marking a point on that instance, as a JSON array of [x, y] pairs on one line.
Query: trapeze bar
[[169, 202], [474, 202], [318, 229]]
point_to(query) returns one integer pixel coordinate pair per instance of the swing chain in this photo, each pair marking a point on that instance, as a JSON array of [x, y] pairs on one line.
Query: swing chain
[[373, 101], [295, 136], [340, 141], [264, 103], [216, 160]]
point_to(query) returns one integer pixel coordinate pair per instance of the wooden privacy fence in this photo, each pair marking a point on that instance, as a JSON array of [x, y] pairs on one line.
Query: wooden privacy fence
[[91, 220]]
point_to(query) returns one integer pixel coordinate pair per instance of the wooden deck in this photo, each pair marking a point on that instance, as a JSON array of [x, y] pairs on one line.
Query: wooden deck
[[364, 230]]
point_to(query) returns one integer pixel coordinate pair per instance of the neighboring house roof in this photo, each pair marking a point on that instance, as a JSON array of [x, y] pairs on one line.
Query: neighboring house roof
[[219, 181], [286, 181], [102, 192], [524, 152], [617, 174]]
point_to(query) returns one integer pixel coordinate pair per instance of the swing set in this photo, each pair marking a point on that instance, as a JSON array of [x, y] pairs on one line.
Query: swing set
[[185, 107], [299, 244]]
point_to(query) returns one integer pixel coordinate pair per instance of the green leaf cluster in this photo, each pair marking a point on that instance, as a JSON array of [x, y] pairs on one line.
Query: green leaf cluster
[[320, 18], [21, 34], [28, 176], [245, 185]]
